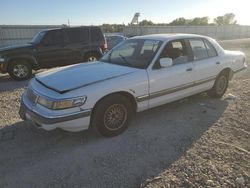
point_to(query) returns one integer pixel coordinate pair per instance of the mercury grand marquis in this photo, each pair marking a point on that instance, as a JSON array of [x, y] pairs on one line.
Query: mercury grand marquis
[[141, 73]]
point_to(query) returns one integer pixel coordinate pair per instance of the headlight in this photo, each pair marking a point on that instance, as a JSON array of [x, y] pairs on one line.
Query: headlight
[[61, 104], [45, 102]]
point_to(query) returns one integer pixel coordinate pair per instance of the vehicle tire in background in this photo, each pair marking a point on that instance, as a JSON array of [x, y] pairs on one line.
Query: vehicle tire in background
[[92, 56], [220, 85], [20, 70], [112, 115]]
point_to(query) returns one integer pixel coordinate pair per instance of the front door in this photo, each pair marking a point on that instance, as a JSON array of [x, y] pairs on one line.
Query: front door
[[52, 51], [173, 82]]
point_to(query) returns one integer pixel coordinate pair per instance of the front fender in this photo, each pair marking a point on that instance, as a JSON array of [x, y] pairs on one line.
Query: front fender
[[30, 59]]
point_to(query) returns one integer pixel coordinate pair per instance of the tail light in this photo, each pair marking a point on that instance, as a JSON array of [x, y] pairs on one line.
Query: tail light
[[104, 45]]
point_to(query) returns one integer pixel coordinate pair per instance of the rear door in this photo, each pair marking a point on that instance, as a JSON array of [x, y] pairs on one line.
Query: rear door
[[174, 82], [52, 51], [206, 64], [77, 44]]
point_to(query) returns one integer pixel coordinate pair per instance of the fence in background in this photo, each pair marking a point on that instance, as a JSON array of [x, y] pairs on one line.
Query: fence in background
[[217, 32], [19, 34]]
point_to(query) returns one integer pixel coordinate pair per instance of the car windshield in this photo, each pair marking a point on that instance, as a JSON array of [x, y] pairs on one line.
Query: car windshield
[[133, 52], [38, 37]]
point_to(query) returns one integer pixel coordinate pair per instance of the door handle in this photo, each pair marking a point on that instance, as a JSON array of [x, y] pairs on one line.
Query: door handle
[[189, 69], [217, 63]]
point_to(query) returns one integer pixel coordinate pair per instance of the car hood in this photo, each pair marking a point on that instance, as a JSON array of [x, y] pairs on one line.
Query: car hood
[[68, 78], [15, 47]]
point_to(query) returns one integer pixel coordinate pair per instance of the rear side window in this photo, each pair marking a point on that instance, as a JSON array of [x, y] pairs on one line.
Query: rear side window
[[54, 37], [210, 49], [96, 34], [76, 35], [199, 49]]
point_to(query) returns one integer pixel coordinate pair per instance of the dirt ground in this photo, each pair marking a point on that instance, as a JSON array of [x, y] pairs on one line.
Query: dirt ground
[[196, 142], [221, 157]]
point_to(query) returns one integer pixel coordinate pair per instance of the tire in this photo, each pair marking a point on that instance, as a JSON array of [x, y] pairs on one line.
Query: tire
[[112, 115], [92, 56], [20, 70], [220, 85]]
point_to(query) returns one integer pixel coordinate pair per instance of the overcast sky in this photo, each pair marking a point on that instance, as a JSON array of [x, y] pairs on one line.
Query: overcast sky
[[95, 12]]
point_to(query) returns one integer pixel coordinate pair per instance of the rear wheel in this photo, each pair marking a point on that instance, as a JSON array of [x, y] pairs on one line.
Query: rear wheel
[[93, 56], [112, 115], [20, 70], [220, 85]]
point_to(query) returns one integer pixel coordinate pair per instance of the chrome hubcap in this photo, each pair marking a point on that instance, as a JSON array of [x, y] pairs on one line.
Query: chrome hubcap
[[20, 70], [115, 117], [92, 58], [221, 85]]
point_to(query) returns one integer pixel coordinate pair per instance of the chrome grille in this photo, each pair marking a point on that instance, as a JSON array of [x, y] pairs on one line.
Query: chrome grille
[[32, 96]]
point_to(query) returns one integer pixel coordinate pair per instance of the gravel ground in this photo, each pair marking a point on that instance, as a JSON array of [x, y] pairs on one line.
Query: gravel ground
[[221, 157], [196, 142]]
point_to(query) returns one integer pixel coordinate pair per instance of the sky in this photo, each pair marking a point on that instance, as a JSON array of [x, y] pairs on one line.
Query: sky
[[97, 12]]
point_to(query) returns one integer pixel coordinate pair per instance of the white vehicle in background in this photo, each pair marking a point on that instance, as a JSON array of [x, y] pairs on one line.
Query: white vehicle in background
[[141, 73], [113, 40]]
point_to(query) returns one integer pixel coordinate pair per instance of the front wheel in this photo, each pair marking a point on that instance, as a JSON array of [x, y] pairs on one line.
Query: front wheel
[[112, 115], [20, 70], [220, 85]]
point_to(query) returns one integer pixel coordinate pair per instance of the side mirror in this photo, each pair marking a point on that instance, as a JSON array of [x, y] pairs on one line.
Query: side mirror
[[166, 62]]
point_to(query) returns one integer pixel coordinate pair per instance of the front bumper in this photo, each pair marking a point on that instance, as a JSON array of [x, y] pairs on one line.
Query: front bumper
[[71, 122]]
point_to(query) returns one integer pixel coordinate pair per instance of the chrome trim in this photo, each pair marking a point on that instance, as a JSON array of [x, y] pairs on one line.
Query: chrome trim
[[170, 90], [30, 91], [211, 78], [142, 98], [241, 69], [174, 89]]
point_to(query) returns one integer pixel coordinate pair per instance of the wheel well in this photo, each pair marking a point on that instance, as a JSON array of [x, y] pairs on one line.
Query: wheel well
[[92, 52], [229, 71], [129, 96], [21, 59]]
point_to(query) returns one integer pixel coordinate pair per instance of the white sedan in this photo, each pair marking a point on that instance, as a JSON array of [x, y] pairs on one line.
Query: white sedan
[[141, 73]]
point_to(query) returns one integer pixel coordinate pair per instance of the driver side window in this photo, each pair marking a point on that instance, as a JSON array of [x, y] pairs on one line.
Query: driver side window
[[176, 50]]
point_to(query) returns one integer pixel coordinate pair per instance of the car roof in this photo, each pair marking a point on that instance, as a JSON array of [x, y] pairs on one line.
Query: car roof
[[74, 27], [114, 36], [169, 36]]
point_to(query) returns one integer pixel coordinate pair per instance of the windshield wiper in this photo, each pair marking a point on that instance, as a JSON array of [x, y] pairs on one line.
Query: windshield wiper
[[125, 60]]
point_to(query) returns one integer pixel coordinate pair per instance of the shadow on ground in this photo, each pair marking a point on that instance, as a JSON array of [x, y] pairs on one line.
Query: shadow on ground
[[32, 157], [8, 84]]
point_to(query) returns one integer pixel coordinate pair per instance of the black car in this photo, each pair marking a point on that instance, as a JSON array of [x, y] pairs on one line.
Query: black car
[[52, 48]]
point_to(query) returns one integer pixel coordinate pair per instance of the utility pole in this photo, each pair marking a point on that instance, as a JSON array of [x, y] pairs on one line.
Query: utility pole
[[68, 23]]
